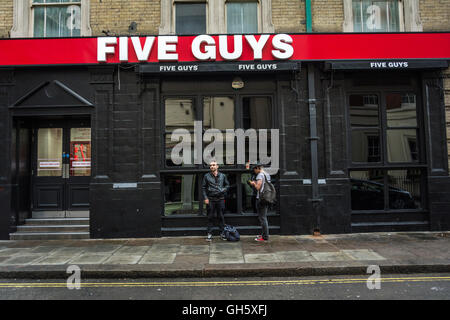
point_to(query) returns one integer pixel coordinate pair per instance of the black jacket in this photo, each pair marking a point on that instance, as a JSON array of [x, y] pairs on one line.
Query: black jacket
[[215, 188]]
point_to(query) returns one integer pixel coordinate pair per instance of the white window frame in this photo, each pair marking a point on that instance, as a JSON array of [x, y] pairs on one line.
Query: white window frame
[[23, 19], [215, 16], [258, 12], [174, 14], [409, 17]]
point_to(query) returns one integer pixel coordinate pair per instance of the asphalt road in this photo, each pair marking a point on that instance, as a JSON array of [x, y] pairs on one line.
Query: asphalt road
[[391, 287]]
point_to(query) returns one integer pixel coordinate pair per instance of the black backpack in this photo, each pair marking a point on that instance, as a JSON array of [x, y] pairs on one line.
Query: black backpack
[[231, 233], [268, 194]]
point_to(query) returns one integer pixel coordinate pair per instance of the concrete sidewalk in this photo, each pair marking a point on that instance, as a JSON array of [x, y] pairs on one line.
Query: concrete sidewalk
[[402, 252]]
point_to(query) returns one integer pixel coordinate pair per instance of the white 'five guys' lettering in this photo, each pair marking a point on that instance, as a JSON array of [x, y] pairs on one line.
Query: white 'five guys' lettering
[[203, 47]]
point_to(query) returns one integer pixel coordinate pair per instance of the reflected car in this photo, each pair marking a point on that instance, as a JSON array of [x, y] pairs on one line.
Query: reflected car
[[369, 195]]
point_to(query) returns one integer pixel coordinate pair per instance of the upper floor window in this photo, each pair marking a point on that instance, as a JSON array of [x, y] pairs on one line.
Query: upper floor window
[[216, 16], [56, 18], [51, 18], [242, 17], [376, 16], [381, 16], [190, 18]]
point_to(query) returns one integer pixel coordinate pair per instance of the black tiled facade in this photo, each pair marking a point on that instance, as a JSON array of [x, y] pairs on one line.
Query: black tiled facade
[[127, 146]]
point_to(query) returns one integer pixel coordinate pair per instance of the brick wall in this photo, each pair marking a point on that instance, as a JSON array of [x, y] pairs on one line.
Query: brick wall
[[117, 15], [446, 79], [327, 15], [435, 15], [6, 17], [288, 16]]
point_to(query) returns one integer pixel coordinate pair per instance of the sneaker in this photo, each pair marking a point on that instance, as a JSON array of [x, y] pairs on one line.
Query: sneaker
[[209, 237], [260, 239]]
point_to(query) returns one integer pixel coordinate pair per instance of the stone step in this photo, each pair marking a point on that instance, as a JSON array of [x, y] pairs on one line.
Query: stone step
[[362, 227], [48, 235], [53, 228], [59, 214], [196, 221], [201, 231], [57, 221]]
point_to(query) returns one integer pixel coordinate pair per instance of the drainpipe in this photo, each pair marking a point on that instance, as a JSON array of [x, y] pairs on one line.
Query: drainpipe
[[308, 16], [313, 138]]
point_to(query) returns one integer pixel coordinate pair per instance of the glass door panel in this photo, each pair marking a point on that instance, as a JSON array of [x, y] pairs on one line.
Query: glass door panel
[[80, 152], [49, 152]]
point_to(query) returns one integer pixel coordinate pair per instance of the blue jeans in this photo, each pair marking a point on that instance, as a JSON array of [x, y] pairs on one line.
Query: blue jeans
[[262, 216], [215, 215]]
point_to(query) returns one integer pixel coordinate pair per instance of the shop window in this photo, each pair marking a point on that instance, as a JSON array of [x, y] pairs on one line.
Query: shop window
[[366, 146], [400, 129], [218, 113], [381, 16], [401, 134], [364, 110], [257, 112], [401, 110], [384, 133], [257, 115], [376, 189], [51, 18], [190, 18], [365, 127], [183, 195], [213, 114], [180, 116], [402, 145], [242, 17], [367, 190], [404, 189]]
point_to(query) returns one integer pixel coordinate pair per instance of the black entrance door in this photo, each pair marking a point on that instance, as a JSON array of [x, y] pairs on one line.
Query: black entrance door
[[61, 165]]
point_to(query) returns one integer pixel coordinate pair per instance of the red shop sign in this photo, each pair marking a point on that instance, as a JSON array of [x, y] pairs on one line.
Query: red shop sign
[[266, 47]]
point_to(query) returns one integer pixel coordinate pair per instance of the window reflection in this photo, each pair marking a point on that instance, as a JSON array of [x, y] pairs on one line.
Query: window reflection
[[190, 18], [218, 113], [257, 113], [183, 156], [402, 145], [242, 17], [80, 151], [401, 110], [367, 191], [366, 146], [249, 198], [181, 194], [232, 194], [179, 113], [49, 145], [404, 189], [364, 110], [375, 16]]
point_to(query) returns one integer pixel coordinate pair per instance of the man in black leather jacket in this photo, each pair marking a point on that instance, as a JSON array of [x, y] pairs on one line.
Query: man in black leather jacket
[[214, 188]]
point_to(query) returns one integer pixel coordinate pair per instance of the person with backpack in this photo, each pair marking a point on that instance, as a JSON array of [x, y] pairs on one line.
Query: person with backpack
[[265, 195]]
